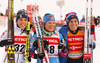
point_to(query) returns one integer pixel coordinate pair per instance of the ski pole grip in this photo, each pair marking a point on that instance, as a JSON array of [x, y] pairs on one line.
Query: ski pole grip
[[28, 26]]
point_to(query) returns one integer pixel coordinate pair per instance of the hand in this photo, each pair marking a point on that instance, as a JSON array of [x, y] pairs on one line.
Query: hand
[[39, 56], [94, 45], [35, 44], [62, 47], [29, 59], [46, 44], [6, 42]]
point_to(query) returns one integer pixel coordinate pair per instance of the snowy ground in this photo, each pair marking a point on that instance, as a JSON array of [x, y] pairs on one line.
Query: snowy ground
[[96, 56]]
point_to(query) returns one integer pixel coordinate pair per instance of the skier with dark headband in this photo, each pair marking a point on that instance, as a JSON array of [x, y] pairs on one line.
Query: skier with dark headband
[[74, 36]]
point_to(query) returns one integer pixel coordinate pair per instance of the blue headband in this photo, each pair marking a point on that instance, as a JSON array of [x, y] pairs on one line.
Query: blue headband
[[48, 17]]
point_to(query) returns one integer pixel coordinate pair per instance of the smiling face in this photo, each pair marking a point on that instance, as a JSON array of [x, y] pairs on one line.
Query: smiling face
[[22, 23], [73, 24], [50, 26]]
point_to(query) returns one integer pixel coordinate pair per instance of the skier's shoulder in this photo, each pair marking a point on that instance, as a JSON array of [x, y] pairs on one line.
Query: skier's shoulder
[[64, 29], [5, 32], [16, 29], [81, 29]]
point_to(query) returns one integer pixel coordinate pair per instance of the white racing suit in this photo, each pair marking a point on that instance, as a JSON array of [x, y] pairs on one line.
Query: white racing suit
[[19, 44]]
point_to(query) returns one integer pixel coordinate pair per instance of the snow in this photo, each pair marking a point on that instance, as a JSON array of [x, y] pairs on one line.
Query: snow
[[96, 52]]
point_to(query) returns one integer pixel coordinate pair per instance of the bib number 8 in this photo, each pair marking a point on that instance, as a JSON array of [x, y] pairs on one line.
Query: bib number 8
[[52, 49]]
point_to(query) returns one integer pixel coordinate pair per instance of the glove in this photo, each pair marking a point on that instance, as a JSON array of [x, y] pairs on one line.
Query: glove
[[35, 44], [62, 47], [6, 42], [39, 56], [46, 44], [94, 45], [29, 59]]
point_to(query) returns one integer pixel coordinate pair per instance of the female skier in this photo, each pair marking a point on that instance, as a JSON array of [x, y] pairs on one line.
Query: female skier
[[52, 41], [19, 37]]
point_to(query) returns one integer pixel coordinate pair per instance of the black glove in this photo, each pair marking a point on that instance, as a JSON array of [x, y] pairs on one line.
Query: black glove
[[92, 46], [6, 42], [39, 56], [46, 44], [35, 44], [29, 59], [62, 47]]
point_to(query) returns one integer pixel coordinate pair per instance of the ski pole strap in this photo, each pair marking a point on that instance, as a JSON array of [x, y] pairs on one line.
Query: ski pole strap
[[92, 29], [93, 32]]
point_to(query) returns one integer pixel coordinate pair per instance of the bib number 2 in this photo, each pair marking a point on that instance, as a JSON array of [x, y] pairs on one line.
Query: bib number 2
[[19, 47]]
